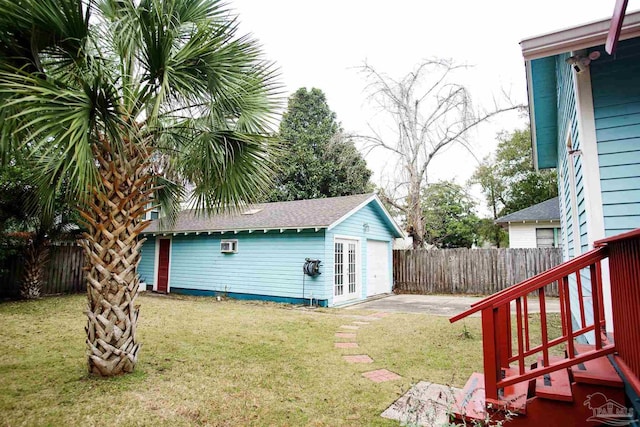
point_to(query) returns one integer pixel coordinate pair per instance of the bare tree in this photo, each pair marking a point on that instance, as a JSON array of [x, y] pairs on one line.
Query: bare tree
[[430, 112]]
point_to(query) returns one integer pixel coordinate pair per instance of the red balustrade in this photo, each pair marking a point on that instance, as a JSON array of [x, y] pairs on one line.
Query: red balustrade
[[498, 310]]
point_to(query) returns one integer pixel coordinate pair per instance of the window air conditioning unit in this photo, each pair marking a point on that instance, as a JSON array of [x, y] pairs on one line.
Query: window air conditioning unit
[[229, 246]]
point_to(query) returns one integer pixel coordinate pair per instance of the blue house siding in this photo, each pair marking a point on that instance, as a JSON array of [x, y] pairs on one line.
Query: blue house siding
[[146, 268], [354, 227], [268, 264], [616, 98]]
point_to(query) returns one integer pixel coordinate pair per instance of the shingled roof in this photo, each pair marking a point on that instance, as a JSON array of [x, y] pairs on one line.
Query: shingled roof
[[299, 214], [548, 210]]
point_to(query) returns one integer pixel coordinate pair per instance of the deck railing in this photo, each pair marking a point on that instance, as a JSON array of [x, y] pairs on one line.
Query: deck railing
[[624, 273], [507, 328]]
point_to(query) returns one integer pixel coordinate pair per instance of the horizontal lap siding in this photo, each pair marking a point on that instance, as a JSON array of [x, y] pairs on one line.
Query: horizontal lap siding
[[568, 125], [146, 267], [265, 264], [354, 227], [616, 97]]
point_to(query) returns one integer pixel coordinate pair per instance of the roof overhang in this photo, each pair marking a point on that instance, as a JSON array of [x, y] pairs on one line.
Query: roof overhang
[[579, 37], [541, 90], [234, 231]]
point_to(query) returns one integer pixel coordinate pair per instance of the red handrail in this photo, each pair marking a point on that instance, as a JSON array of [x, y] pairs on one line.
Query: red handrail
[[498, 349], [536, 282]]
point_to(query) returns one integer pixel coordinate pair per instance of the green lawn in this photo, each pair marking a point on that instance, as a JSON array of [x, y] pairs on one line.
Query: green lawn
[[205, 362]]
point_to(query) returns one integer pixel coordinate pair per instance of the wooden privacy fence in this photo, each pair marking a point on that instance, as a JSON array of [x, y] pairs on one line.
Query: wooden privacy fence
[[469, 271], [63, 273]]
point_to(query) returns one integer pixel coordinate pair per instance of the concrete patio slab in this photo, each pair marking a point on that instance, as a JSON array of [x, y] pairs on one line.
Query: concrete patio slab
[[441, 305]]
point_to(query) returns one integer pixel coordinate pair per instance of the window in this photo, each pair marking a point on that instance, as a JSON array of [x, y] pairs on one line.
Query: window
[[229, 246], [547, 237]]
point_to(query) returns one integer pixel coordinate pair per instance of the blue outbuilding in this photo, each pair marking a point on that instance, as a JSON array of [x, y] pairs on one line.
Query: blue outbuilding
[[261, 252]]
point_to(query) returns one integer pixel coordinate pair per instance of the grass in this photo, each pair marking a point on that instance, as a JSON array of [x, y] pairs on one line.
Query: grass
[[205, 362]]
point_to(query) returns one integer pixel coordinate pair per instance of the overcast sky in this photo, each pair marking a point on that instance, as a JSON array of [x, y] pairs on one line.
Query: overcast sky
[[321, 43]]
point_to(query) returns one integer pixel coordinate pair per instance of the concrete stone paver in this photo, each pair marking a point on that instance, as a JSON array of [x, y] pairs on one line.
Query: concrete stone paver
[[346, 345], [349, 335], [358, 358], [381, 375], [350, 327], [442, 305]]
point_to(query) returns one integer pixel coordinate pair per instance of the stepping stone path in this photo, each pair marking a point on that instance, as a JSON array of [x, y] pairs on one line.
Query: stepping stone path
[[379, 375]]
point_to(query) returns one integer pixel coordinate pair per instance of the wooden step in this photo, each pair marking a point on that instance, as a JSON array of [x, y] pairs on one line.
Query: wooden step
[[471, 402], [513, 397], [597, 371], [555, 385]]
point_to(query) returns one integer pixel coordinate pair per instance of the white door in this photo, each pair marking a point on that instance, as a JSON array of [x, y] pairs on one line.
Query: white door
[[346, 283], [378, 268]]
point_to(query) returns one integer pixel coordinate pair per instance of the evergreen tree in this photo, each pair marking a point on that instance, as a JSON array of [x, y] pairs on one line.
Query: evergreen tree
[[318, 159]]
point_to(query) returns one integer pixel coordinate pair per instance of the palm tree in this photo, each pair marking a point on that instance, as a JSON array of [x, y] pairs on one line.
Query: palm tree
[[127, 101]]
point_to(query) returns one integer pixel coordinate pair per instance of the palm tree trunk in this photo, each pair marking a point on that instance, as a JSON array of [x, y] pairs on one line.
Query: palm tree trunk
[[37, 254], [115, 219]]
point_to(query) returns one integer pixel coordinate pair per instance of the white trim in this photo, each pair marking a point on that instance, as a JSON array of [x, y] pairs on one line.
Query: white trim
[[591, 177], [563, 213], [578, 37], [358, 292], [157, 261], [374, 197]]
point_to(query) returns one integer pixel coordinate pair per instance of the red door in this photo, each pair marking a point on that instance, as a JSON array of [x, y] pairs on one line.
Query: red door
[[163, 265]]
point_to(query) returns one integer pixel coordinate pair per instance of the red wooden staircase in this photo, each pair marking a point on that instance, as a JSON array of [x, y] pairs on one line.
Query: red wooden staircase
[[534, 377]]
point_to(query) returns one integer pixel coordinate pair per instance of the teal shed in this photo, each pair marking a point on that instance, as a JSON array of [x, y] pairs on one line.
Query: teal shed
[[260, 252]]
